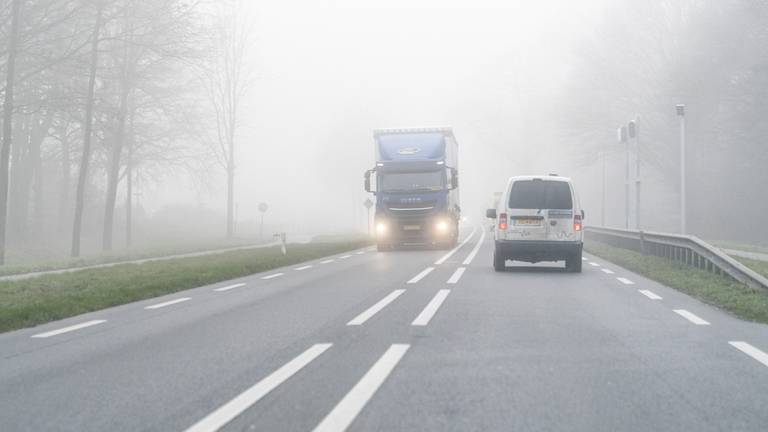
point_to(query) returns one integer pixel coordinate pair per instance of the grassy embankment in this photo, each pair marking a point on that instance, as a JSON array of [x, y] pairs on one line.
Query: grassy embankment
[[725, 293], [47, 298]]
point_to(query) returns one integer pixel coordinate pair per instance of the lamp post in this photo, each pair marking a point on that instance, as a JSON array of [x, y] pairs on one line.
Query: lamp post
[[680, 108], [368, 204], [634, 133], [622, 136], [263, 207]]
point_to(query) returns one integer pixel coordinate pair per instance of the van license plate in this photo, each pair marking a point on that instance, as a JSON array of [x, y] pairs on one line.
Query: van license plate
[[411, 227], [527, 222]]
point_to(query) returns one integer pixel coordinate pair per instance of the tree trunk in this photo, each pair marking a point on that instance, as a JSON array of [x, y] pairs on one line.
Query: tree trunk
[[5, 151], [114, 171], [86, 156], [64, 181], [129, 187]]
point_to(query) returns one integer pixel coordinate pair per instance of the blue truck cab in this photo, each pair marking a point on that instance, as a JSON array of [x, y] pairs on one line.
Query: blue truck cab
[[416, 187]]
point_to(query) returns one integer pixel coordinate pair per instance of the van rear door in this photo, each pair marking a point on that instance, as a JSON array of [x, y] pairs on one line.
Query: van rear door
[[540, 209]]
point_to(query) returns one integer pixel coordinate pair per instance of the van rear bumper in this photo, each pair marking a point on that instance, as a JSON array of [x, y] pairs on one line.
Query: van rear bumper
[[534, 251]]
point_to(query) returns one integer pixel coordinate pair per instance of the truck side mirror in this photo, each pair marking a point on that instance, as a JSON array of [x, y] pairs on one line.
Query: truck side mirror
[[368, 180], [490, 213], [454, 179], [582, 214]]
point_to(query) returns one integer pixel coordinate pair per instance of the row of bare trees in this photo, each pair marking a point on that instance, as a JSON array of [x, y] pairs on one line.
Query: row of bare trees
[[99, 93]]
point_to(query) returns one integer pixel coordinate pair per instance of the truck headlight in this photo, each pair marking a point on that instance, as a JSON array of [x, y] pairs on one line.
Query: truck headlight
[[442, 226], [381, 229]]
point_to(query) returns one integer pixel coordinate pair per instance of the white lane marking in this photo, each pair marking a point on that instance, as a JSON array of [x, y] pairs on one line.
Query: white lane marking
[[625, 281], [606, 271], [421, 275], [168, 303], [227, 412], [272, 276], [476, 249], [453, 251], [691, 317], [303, 268], [373, 310], [229, 287], [751, 351], [345, 257], [584, 259], [344, 413], [360, 253], [69, 329], [431, 309], [457, 275], [326, 261], [594, 264], [650, 294]]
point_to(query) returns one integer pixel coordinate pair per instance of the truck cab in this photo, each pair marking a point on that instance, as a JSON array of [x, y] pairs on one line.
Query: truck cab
[[416, 182]]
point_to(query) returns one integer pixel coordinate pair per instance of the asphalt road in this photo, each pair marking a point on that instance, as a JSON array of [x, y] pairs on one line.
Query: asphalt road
[[378, 342]]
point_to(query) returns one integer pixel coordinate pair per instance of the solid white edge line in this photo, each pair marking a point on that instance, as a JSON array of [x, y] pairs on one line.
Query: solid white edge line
[[625, 281], [272, 276], [168, 303], [345, 412], [68, 329], [453, 251], [584, 259], [691, 317], [229, 287], [475, 250], [326, 261], [345, 257], [594, 264], [751, 351], [360, 253], [607, 271], [376, 308], [421, 275], [303, 268], [456, 275], [431, 309], [650, 294], [227, 412]]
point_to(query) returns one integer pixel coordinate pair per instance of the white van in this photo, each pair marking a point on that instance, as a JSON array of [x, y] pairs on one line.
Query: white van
[[538, 218]]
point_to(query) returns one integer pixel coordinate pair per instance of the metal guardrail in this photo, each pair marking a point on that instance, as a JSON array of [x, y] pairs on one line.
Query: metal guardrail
[[686, 249]]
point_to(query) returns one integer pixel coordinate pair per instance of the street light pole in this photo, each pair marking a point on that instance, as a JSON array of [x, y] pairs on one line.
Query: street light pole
[[602, 199], [681, 115], [634, 132], [623, 140]]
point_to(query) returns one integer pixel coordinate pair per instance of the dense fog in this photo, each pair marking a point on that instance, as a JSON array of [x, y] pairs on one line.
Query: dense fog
[[284, 95]]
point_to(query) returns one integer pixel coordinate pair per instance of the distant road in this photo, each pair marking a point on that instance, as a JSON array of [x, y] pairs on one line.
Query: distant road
[[744, 254], [22, 276], [419, 340]]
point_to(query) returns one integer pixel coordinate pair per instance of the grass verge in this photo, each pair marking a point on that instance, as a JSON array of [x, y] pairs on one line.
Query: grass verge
[[738, 299], [760, 267], [39, 300]]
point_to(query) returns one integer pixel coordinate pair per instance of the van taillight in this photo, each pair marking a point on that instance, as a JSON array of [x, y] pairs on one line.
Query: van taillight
[[503, 221], [577, 223]]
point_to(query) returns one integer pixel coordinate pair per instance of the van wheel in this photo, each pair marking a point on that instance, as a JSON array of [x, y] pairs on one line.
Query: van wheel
[[499, 261], [573, 264], [381, 247]]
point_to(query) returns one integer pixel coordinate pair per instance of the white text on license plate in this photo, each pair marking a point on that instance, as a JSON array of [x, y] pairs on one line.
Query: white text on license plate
[[527, 222]]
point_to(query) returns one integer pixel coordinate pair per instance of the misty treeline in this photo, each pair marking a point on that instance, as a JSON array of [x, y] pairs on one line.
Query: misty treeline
[[102, 94], [646, 57]]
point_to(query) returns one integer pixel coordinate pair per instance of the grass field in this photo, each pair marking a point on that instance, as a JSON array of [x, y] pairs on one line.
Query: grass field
[[47, 298], [740, 300]]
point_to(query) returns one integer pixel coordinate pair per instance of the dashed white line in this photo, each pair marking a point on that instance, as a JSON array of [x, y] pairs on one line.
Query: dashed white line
[[453, 251], [303, 268], [69, 329], [421, 275], [431, 309], [373, 310], [457, 275], [345, 257], [691, 317], [607, 271], [360, 253], [594, 264], [227, 412], [168, 303], [229, 287], [327, 261], [344, 413], [625, 281], [472, 254], [751, 351], [584, 259], [650, 294], [272, 276]]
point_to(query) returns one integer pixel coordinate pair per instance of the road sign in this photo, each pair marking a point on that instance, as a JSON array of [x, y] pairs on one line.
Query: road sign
[[263, 207], [368, 203]]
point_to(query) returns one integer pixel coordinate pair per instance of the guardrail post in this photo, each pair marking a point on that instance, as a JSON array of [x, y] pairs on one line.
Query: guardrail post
[[642, 242]]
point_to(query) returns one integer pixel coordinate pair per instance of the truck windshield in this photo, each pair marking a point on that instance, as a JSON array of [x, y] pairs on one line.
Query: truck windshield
[[412, 181], [538, 194]]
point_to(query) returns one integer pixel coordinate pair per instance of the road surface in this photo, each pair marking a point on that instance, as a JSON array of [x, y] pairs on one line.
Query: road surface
[[403, 341]]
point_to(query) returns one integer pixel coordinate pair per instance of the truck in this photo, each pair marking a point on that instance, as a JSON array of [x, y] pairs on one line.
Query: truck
[[415, 182]]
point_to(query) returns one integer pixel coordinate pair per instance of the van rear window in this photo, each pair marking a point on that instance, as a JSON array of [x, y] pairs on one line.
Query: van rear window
[[540, 194]]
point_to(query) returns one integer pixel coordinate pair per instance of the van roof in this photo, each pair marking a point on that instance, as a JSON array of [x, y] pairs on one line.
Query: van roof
[[547, 177]]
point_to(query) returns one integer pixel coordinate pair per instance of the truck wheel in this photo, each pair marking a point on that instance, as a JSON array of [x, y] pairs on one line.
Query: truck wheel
[[573, 264], [499, 261]]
